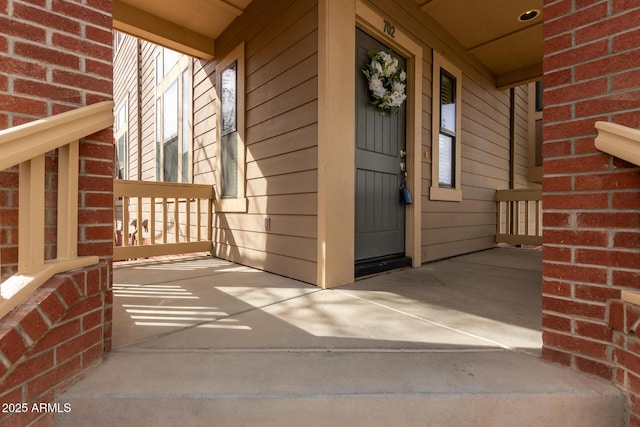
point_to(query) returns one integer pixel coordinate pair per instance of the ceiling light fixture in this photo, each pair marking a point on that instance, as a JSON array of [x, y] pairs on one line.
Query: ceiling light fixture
[[529, 15]]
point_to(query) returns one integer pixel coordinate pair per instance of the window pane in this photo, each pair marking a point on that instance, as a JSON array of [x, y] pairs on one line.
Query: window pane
[[170, 113], [539, 142], [539, 95], [170, 59], [170, 161], [229, 99], [229, 161], [445, 161], [186, 137], [447, 102], [122, 151]]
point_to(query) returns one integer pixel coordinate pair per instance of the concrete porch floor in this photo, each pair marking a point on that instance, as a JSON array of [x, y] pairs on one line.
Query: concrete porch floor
[[487, 300], [202, 339]]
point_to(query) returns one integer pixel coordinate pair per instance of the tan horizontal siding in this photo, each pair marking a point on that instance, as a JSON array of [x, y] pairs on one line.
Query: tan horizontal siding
[[485, 168], [297, 139], [300, 72], [286, 101], [285, 204], [294, 225], [445, 220], [278, 244], [301, 160], [304, 115], [204, 122], [291, 183], [298, 20], [281, 138], [460, 234], [454, 248], [522, 139], [148, 111], [127, 89], [285, 265]]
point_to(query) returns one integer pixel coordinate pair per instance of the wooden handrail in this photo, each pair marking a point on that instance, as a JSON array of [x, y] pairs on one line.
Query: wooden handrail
[[619, 141], [21, 143], [26, 146]]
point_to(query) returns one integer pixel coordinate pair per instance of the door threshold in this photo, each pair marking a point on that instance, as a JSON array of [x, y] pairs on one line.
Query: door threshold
[[369, 267]]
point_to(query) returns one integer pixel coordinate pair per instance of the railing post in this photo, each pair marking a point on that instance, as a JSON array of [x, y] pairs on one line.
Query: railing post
[[164, 221], [538, 217], [68, 170], [125, 221], [152, 210], [527, 205], [199, 218], [188, 220], [139, 228], [210, 219], [31, 221], [176, 218]]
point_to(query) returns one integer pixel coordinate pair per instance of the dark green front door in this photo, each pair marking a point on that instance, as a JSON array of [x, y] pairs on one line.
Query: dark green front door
[[380, 137]]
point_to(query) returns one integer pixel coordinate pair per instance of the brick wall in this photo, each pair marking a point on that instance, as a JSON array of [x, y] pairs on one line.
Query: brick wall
[[591, 200], [56, 55], [50, 340]]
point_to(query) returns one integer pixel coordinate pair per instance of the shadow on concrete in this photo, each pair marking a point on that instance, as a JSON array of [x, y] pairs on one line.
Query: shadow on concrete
[[484, 301]]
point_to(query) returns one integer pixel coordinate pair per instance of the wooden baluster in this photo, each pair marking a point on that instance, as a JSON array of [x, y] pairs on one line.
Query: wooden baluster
[[188, 206], [152, 211], [164, 220], [31, 215], [68, 171]]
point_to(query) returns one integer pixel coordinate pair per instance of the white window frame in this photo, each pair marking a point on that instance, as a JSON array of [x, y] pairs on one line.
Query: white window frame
[[164, 79], [238, 203], [437, 192]]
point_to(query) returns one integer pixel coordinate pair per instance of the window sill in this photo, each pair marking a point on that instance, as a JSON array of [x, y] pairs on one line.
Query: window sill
[[445, 194], [231, 205]]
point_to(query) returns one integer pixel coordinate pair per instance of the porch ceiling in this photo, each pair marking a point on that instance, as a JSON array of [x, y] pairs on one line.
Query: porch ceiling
[[188, 26], [490, 31]]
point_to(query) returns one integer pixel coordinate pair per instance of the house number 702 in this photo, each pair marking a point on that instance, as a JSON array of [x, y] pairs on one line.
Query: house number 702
[[389, 28]]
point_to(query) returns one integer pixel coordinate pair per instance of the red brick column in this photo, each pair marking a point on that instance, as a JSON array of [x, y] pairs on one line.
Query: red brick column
[[56, 55], [591, 200]]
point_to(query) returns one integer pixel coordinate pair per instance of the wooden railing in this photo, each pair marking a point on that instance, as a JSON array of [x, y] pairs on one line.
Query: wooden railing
[[160, 218], [619, 141], [26, 146], [519, 216], [622, 142]]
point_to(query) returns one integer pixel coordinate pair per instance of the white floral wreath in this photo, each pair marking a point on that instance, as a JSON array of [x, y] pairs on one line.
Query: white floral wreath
[[387, 81]]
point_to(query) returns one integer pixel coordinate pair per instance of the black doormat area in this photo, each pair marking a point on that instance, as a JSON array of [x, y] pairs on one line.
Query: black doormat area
[[378, 265]]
